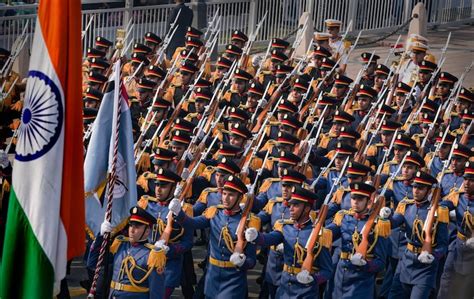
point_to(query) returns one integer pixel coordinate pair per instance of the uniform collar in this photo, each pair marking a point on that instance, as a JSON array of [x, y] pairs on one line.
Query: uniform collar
[[420, 204], [300, 226], [360, 216], [231, 213]]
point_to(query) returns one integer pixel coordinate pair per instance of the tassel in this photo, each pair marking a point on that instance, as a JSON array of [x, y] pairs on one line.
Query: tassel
[[383, 228], [6, 186], [188, 210], [443, 214], [313, 215], [300, 253], [157, 260], [326, 238], [229, 242]]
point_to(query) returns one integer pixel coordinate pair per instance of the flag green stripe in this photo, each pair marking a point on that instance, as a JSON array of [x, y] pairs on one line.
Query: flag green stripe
[[26, 270]]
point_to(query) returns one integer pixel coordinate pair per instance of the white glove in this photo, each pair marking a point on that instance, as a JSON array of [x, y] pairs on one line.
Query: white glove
[[385, 212], [470, 242], [4, 162], [263, 102], [189, 156], [251, 234], [238, 259], [105, 227], [304, 277], [425, 257], [177, 190], [185, 174], [452, 215], [175, 206], [358, 260], [242, 205], [160, 245], [280, 248]]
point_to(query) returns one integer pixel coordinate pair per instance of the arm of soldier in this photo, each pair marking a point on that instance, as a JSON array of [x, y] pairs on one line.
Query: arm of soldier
[[198, 208], [185, 244], [381, 248], [264, 217], [191, 223], [335, 226], [442, 233], [260, 201], [324, 264], [156, 284], [94, 252], [250, 256]]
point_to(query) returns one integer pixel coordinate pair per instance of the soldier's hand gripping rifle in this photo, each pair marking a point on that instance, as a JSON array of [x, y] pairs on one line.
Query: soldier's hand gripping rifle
[[318, 227], [240, 232], [311, 142], [435, 198], [180, 193], [378, 201]]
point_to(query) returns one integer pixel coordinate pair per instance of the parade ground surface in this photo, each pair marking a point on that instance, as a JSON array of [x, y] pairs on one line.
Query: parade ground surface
[[460, 53]]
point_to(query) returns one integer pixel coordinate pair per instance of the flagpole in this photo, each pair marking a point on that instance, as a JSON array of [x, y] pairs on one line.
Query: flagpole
[[110, 188]]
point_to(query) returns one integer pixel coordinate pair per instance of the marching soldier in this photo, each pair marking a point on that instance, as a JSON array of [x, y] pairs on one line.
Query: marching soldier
[[453, 178], [292, 236], [137, 265], [458, 271], [355, 272], [181, 239], [368, 78], [226, 275], [417, 269]]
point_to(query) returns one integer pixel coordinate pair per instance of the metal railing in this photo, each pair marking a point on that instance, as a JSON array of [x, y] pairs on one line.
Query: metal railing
[[283, 16]]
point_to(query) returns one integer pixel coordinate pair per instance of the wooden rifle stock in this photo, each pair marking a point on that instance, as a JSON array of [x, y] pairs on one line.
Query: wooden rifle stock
[[314, 238], [430, 218], [364, 243], [275, 96], [240, 245]]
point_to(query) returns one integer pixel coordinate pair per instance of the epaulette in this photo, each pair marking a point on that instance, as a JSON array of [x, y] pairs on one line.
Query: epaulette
[[267, 183], [383, 228], [203, 196], [210, 212], [454, 197], [326, 238], [190, 116], [313, 215], [143, 202], [273, 123], [339, 216], [442, 214], [142, 180], [278, 226], [339, 194], [398, 178], [254, 222], [458, 131], [116, 243], [402, 206], [269, 207], [156, 258], [188, 209]]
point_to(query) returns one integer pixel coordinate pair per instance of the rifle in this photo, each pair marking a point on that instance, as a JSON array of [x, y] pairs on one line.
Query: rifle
[[87, 27], [312, 142], [260, 65], [260, 103], [318, 227], [180, 193], [430, 129], [323, 171], [360, 156], [378, 203], [455, 92], [243, 61], [211, 26], [430, 218], [240, 232], [392, 50]]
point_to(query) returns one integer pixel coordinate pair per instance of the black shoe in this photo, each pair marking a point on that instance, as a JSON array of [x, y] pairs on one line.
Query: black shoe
[[86, 284]]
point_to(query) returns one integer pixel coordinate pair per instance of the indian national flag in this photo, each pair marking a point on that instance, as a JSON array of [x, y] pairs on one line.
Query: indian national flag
[[45, 224]]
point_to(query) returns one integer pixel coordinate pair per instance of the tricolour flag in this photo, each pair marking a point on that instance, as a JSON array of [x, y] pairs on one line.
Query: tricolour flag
[[99, 157], [45, 223]]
